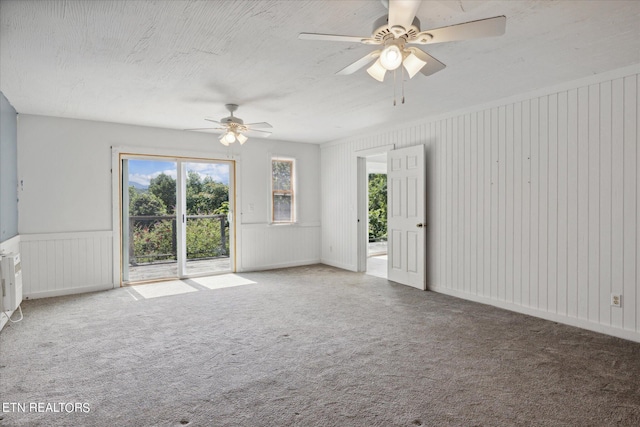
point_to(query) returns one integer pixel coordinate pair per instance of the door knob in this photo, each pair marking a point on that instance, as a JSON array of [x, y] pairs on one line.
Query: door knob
[[420, 225]]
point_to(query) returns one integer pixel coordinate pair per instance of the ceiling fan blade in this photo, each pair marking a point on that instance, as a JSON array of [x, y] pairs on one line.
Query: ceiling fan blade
[[489, 27], [401, 14], [258, 132], [213, 129], [432, 64], [350, 69], [263, 125], [336, 38], [214, 121]]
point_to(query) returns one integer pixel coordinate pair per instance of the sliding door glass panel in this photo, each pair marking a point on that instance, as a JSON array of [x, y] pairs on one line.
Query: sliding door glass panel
[[208, 212], [149, 220]]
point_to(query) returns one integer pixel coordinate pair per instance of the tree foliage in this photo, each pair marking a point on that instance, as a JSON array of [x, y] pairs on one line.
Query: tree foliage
[[377, 206], [204, 197], [164, 187], [146, 204]]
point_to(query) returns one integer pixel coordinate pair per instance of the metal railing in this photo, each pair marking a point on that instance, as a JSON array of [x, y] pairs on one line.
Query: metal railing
[[152, 238]]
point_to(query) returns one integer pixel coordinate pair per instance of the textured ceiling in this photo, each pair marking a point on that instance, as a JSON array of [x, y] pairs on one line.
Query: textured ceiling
[[172, 63]]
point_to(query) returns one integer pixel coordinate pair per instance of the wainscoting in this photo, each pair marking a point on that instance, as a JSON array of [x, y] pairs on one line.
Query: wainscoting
[[66, 263], [277, 246]]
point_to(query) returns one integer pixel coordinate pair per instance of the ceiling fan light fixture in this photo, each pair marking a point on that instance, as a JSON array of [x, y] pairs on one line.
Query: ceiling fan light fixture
[[229, 138], [241, 138], [413, 64], [222, 140], [377, 71], [391, 57]]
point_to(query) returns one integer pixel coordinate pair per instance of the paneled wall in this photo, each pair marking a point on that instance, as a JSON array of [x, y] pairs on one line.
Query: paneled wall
[[533, 202], [276, 246], [66, 263]]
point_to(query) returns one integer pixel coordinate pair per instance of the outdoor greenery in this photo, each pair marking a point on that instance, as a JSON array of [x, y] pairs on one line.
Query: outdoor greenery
[[154, 239], [377, 207]]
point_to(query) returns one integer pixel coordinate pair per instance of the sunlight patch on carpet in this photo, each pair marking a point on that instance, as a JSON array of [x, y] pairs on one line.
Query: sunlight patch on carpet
[[223, 281], [163, 289]]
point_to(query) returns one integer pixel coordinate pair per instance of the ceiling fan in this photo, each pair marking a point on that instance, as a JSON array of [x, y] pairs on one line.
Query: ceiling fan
[[233, 128], [399, 30]]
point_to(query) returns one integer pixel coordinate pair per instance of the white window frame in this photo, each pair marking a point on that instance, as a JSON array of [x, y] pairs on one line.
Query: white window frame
[[294, 190]]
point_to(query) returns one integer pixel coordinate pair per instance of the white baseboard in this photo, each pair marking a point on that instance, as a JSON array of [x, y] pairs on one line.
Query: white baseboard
[[68, 291], [554, 317]]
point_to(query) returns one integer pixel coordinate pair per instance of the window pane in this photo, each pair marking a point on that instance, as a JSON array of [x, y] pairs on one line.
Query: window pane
[[282, 208], [281, 175]]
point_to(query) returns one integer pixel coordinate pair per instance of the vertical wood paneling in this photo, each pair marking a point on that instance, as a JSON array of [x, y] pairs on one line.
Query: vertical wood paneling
[[543, 203], [509, 219], [526, 204], [488, 188], [473, 203], [604, 281], [267, 246], [56, 263], [594, 203], [495, 205], [617, 194], [468, 173], [532, 203], [518, 192], [562, 197], [631, 189], [534, 270], [502, 205], [552, 216], [583, 203], [572, 203]]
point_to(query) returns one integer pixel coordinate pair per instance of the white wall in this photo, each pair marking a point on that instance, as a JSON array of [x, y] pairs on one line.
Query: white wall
[[532, 202], [8, 170], [65, 169]]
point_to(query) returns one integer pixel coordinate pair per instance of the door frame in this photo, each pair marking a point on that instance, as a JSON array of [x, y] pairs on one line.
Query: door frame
[[362, 209], [116, 185]]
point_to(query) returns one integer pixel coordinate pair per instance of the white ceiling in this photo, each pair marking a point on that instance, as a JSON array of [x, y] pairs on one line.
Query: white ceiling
[[171, 63]]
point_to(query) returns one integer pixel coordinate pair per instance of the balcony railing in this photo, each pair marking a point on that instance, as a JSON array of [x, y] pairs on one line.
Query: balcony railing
[[152, 238]]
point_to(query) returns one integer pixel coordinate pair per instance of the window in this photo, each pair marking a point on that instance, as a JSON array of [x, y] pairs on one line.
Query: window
[[282, 187]]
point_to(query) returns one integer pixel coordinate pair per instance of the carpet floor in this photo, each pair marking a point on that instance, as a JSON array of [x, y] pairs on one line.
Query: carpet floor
[[306, 346]]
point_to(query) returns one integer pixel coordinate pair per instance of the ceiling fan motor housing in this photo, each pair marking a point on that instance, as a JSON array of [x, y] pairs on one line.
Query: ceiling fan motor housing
[[381, 30]]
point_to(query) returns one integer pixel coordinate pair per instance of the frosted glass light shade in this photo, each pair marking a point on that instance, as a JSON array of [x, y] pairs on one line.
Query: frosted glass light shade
[[413, 64], [391, 57], [377, 71], [229, 137], [241, 138]]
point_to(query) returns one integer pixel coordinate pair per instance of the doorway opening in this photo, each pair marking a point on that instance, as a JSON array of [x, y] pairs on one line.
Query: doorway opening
[[176, 218], [376, 170]]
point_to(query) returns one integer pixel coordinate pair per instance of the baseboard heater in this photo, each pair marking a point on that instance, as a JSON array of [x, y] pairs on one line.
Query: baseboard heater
[[11, 271]]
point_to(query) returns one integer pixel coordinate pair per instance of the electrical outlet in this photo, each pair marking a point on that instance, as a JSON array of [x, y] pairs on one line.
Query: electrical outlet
[[616, 300]]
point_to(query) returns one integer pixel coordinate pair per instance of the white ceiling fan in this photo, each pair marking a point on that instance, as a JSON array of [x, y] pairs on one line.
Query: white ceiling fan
[[233, 128], [401, 29]]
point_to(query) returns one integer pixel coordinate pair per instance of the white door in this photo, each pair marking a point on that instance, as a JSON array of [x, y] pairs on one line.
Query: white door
[[406, 219]]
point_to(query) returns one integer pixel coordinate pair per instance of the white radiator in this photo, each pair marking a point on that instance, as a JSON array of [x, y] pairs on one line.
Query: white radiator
[[11, 271]]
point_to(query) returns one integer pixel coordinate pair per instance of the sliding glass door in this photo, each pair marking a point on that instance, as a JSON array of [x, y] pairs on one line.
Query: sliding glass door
[[176, 217]]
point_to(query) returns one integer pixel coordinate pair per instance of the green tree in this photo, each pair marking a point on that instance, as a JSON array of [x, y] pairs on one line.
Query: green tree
[[146, 204], [132, 193], [206, 196], [377, 206], [164, 187]]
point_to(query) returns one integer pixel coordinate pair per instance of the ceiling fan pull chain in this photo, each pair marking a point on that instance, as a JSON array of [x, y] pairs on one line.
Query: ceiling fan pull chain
[[394, 88], [402, 82]]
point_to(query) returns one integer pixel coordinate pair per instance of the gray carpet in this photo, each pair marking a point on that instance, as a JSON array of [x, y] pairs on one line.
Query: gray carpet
[[309, 346]]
